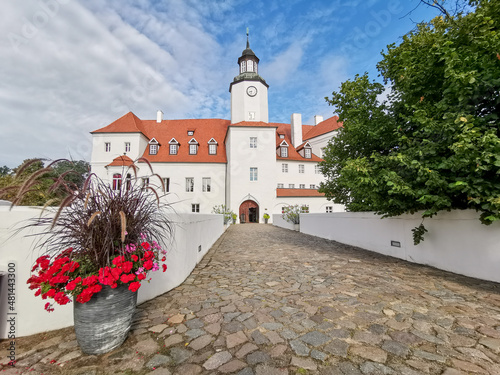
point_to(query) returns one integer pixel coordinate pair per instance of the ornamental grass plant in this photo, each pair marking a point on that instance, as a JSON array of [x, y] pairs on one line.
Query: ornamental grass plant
[[99, 235]]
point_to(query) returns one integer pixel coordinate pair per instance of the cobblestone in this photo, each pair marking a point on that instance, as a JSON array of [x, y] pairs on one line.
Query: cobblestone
[[269, 301]]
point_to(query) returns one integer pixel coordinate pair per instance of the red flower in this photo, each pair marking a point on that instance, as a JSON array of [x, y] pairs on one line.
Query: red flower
[[90, 280], [127, 267], [135, 258], [146, 245], [148, 255], [134, 286], [127, 278], [141, 276], [51, 293], [164, 267], [148, 264]]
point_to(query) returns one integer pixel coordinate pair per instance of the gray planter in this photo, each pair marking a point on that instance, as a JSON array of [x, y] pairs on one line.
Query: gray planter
[[102, 324]]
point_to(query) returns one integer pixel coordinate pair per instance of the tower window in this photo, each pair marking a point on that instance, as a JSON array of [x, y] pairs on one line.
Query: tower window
[[253, 174], [127, 146], [243, 67], [249, 66], [253, 142], [107, 147]]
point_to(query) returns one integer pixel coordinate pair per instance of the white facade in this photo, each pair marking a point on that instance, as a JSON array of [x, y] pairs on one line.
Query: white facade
[[238, 162]]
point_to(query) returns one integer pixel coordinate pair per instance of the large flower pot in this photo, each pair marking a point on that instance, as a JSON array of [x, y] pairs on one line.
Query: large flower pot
[[296, 227], [102, 324]]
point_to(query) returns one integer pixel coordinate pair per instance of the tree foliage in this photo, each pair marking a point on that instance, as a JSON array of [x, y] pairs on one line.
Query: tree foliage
[[37, 181], [434, 144]]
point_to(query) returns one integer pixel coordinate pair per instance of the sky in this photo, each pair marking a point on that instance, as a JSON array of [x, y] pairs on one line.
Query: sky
[[69, 67]]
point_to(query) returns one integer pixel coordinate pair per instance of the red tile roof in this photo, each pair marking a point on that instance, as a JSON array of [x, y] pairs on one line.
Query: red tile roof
[[128, 123], [298, 193], [326, 126], [122, 160], [292, 152], [204, 130]]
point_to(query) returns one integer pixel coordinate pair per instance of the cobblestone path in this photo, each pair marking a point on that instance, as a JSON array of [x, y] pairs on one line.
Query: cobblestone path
[[269, 301]]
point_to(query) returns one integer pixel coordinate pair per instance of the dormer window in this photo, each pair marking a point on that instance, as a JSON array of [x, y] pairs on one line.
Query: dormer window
[[193, 147], [306, 151], [173, 146], [212, 147], [282, 136], [284, 149], [153, 147], [190, 132]]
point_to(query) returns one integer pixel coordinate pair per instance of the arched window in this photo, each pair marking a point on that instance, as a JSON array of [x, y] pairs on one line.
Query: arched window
[[117, 181]]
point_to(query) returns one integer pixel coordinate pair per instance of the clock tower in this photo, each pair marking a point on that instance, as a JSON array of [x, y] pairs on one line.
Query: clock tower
[[248, 90]]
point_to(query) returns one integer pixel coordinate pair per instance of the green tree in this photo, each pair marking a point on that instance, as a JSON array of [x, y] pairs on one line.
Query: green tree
[[435, 144], [39, 183], [4, 171]]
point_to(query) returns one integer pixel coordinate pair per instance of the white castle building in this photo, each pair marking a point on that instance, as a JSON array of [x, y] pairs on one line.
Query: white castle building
[[246, 163]]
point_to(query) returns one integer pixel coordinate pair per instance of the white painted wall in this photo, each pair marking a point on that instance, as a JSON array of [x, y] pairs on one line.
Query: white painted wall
[[321, 141], [456, 240], [242, 103], [191, 231], [294, 177], [241, 158]]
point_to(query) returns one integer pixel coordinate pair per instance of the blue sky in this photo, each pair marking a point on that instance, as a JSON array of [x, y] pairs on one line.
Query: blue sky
[[69, 67]]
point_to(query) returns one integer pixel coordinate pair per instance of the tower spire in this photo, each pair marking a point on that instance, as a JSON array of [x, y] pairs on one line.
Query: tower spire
[[248, 43]]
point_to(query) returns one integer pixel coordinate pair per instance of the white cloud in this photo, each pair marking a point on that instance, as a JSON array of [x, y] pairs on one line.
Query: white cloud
[[73, 68]]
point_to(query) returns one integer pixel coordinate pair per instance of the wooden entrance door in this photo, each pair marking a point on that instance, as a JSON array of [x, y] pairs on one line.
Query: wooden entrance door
[[249, 212]]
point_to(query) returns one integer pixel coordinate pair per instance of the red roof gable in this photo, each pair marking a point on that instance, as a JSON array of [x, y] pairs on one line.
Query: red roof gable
[[327, 126], [128, 123], [298, 193], [120, 161]]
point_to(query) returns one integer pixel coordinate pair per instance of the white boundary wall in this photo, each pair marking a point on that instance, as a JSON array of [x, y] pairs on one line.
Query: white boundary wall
[[190, 232], [456, 240]]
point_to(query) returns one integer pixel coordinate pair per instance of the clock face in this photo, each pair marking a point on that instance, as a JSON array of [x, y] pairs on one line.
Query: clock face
[[252, 90]]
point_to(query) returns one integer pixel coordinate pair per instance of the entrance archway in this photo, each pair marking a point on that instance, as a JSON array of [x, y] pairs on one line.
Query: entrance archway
[[249, 212]]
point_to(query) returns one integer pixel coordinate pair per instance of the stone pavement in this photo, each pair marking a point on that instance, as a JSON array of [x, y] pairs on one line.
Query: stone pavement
[[270, 301]]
